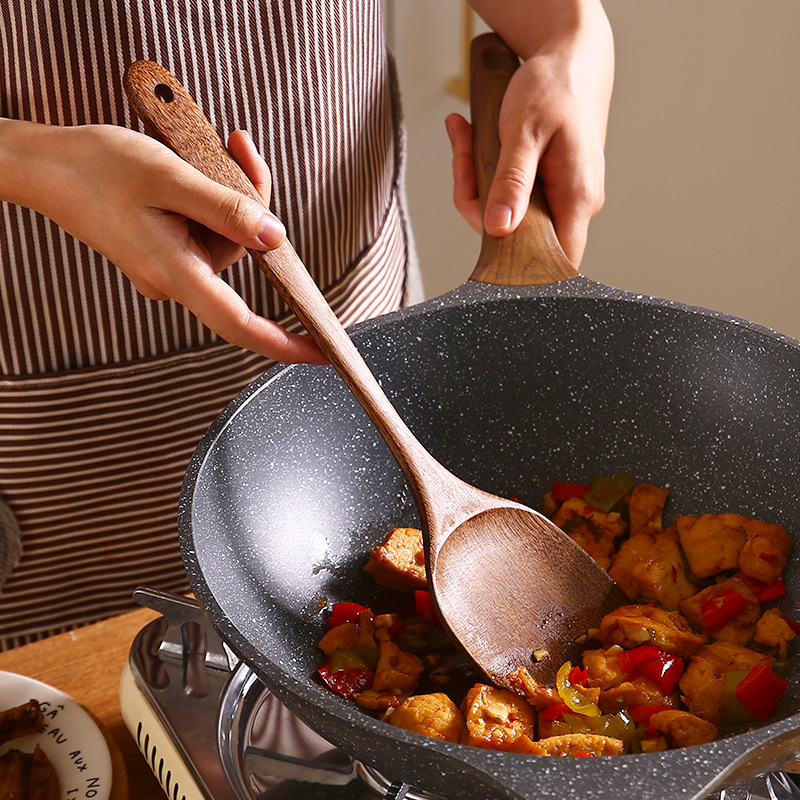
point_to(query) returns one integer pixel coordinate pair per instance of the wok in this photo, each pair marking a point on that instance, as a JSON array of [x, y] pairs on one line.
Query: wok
[[511, 388]]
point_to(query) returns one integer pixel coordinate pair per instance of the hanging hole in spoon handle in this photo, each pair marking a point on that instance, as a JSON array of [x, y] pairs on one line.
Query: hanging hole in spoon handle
[[530, 255]]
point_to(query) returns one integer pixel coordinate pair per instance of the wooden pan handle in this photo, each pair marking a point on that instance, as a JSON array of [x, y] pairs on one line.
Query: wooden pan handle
[[530, 255]]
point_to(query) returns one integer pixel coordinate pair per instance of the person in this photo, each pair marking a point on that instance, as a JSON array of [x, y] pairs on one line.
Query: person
[[129, 317]]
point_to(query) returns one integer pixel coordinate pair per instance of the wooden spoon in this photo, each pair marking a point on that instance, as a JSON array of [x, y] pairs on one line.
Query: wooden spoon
[[506, 581]]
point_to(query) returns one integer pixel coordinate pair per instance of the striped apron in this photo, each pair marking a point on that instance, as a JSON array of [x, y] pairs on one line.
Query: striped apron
[[104, 393]]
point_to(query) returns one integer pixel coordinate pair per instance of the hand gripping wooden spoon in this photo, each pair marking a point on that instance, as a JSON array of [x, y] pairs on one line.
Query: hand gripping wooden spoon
[[506, 581]]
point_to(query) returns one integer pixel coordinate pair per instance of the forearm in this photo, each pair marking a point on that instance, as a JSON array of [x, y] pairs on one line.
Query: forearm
[[529, 25], [23, 148]]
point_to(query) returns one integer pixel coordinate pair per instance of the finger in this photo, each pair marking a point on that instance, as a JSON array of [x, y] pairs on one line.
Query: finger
[[244, 152], [465, 186], [222, 310], [573, 177], [510, 190], [227, 212]]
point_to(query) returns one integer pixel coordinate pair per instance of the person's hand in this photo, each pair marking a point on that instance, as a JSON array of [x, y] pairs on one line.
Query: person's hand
[[552, 126], [170, 229]]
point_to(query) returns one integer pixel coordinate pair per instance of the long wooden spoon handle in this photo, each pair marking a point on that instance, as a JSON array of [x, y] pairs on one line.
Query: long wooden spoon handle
[[531, 254], [170, 115]]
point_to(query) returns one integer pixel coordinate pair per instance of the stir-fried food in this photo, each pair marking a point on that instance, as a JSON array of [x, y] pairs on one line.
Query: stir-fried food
[[693, 656]]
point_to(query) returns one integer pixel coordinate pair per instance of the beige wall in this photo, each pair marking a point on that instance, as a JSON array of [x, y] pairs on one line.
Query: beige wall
[[703, 154]]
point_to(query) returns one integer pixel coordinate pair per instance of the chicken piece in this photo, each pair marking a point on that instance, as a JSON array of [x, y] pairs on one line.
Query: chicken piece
[[43, 783], [772, 630], [712, 543], [396, 672], [434, 715], [569, 744], [537, 694], [683, 729], [604, 670], [650, 568], [764, 555], [645, 508], [342, 637], [741, 628], [399, 561], [20, 721], [703, 683], [595, 531], [630, 626], [641, 691], [496, 717]]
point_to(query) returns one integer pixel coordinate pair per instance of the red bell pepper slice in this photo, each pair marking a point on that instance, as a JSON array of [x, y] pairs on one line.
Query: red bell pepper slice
[[554, 711], [424, 606], [628, 659], [335, 622], [764, 592], [349, 612], [795, 626], [345, 682], [760, 690], [665, 671], [579, 676], [585, 754], [562, 491], [641, 714], [717, 612]]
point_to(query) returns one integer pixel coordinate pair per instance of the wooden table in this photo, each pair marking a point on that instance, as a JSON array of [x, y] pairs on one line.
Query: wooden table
[[87, 664]]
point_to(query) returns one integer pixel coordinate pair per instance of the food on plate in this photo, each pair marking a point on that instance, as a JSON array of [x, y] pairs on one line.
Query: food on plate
[[20, 721], [25, 776], [694, 654]]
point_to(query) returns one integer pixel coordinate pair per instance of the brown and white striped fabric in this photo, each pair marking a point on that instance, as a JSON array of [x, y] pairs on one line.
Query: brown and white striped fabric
[[103, 393]]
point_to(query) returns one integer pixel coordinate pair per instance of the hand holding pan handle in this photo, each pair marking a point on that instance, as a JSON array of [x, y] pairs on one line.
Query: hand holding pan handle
[[530, 255]]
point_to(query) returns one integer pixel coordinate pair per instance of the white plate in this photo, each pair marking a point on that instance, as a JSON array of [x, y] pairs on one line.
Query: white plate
[[70, 738]]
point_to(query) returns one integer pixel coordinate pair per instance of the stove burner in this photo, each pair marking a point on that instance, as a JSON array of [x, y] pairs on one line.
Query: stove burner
[[210, 729]]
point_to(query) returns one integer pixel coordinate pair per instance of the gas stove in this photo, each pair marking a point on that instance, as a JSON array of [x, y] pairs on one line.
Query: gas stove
[[210, 730]]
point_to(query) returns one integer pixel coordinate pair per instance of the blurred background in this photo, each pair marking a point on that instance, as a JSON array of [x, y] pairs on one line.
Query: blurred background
[[703, 151]]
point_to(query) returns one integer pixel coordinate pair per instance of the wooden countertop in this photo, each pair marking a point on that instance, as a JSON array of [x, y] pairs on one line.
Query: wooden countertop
[[87, 664]]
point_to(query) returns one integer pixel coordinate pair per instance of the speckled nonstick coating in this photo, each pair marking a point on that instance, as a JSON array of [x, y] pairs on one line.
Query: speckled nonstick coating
[[510, 388]]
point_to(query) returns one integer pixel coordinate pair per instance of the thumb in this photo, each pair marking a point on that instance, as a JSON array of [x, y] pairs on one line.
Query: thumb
[[512, 184]]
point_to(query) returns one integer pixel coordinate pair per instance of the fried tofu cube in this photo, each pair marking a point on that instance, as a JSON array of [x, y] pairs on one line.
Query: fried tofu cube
[[595, 531], [624, 561], [683, 729], [496, 717], [741, 628], [399, 561], [772, 630], [633, 625], [651, 568], [434, 715], [764, 555], [646, 507], [712, 543], [703, 683], [569, 744]]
